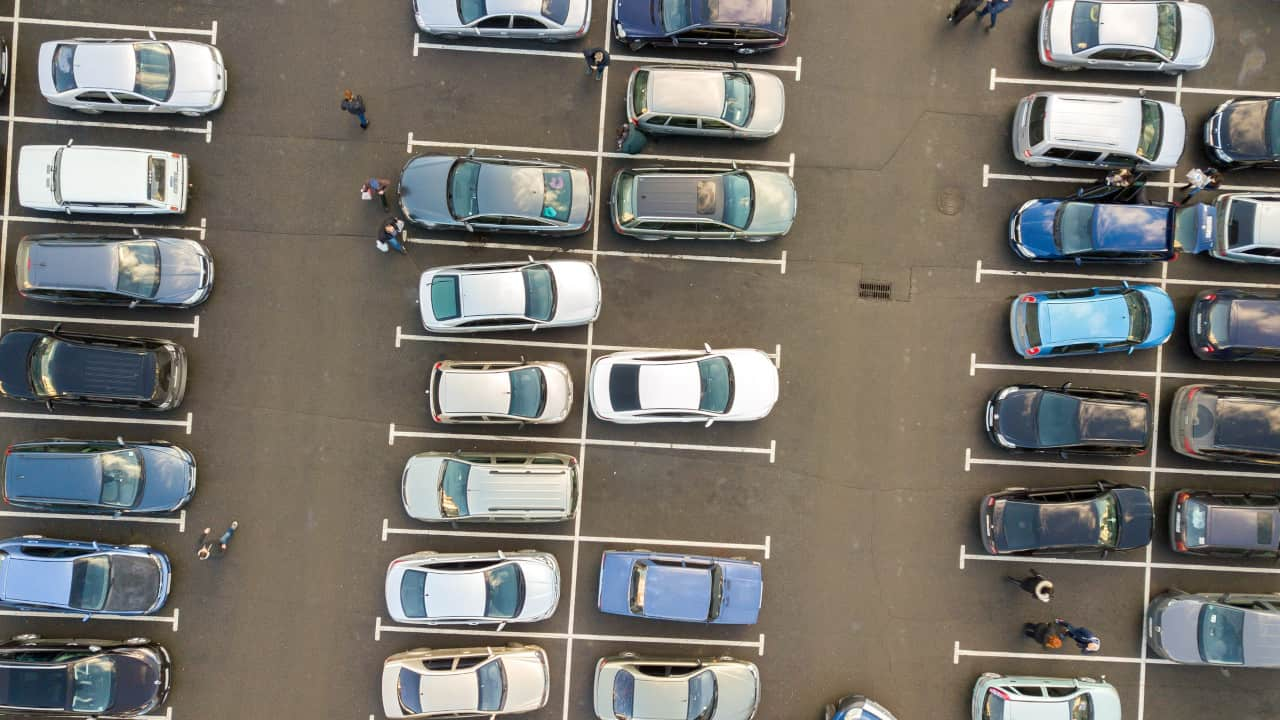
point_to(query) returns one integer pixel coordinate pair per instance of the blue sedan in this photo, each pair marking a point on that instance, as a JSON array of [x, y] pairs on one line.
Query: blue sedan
[[686, 588], [1049, 230], [1091, 320], [87, 578]]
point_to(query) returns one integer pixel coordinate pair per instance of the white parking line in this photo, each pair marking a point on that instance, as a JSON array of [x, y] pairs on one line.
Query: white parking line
[[172, 619], [180, 521], [379, 628], [1099, 562], [789, 163], [982, 271], [987, 176], [8, 155], [186, 424], [1133, 87], [781, 262], [212, 32], [207, 130], [597, 539], [969, 461], [201, 228], [168, 715], [1031, 366], [960, 652], [193, 326], [771, 451]]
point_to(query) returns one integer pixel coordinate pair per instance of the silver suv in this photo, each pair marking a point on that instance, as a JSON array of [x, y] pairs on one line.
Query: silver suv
[[1248, 228], [494, 487], [708, 102], [1098, 131]]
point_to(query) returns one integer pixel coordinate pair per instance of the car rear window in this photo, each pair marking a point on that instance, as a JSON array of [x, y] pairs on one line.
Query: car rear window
[[624, 693], [409, 685], [155, 71], [1240, 219], [555, 10], [1084, 25], [557, 195], [413, 597], [1082, 707], [737, 98], [640, 93], [624, 202], [539, 292], [1139, 315], [1245, 424], [155, 179], [624, 387], [1222, 634], [453, 489], [445, 304], [64, 68], [1035, 121], [1168, 25], [464, 185], [138, 269], [1152, 130], [1197, 520], [471, 10]]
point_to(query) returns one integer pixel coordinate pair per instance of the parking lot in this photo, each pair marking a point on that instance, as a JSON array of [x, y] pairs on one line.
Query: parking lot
[[885, 309]]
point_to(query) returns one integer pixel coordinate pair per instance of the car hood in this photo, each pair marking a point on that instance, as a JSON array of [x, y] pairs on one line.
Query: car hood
[[526, 682], [1196, 44], [1137, 519], [1035, 227], [1242, 133], [15, 347], [580, 207], [197, 76], [769, 106], [737, 691], [169, 479], [1106, 703], [742, 593], [1174, 137], [35, 177], [437, 15], [559, 392], [615, 582], [755, 384], [541, 590], [182, 271], [424, 189], [577, 291], [137, 584], [1163, 314], [639, 17], [420, 488], [1180, 630], [137, 683], [1016, 417], [775, 202]]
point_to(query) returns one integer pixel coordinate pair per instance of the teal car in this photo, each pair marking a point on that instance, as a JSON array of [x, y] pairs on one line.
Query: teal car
[[1001, 697], [1090, 321]]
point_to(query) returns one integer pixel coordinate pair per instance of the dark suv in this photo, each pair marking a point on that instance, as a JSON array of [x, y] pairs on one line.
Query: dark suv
[[113, 270], [56, 366], [102, 477], [1230, 524], [82, 678], [746, 26], [1226, 423], [1231, 324], [1078, 518]]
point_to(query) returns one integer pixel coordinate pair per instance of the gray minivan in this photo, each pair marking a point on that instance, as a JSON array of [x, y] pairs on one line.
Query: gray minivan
[[490, 487], [1215, 629], [1098, 131]]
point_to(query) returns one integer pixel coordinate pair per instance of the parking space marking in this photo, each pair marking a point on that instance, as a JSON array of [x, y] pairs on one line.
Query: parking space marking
[[193, 326], [168, 715], [17, 20], [970, 460], [1176, 88], [771, 451], [961, 652], [380, 628], [186, 424], [201, 228], [763, 548], [781, 262], [789, 163], [207, 130], [983, 270], [180, 521], [987, 176], [966, 556], [1031, 366], [172, 619]]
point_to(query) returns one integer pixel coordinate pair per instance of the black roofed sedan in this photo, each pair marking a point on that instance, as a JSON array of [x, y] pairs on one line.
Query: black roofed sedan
[[1230, 324], [56, 366], [494, 194], [1245, 133], [1079, 518], [1229, 524], [1070, 420], [81, 577], [102, 477], [82, 678], [745, 26], [114, 270]]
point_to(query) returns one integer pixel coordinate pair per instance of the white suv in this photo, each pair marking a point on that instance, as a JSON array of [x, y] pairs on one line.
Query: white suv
[[1098, 131], [102, 180]]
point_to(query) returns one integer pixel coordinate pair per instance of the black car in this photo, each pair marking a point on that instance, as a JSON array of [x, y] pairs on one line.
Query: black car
[[1230, 524], [1244, 133], [124, 270], [1070, 420], [1226, 423], [56, 366], [1231, 324], [1078, 518], [103, 477], [745, 26], [82, 678]]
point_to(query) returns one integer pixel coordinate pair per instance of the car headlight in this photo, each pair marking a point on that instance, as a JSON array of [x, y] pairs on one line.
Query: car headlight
[[617, 30]]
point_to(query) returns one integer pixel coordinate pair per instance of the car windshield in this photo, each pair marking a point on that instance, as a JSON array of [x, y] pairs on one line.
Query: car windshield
[[121, 477], [1240, 218], [640, 93], [155, 71], [557, 11], [505, 591], [409, 687], [717, 591], [737, 98], [464, 189], [90, 581], [1073, 227], [1152, 130], [528, 393], [1058, 420], [1082, 707], [155, 179], [539, 292], [1273, 127], [624, 202], [737, 200], [993, 708], [717, 385], [470, 11], [93, 681], [445, 304], [1222, 634], [675, 14], [1084, 25], [1139, 316], [702, 696], [1035, 120], [453, 489], [413, 594], [1106, 511], [557, 195], [44, 357], [1168, 23], [624, 694], [64, 68], [139, 268], [492, 682]]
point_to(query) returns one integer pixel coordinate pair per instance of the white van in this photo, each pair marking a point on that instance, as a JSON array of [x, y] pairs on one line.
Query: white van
[[102, 180], [490, 487]]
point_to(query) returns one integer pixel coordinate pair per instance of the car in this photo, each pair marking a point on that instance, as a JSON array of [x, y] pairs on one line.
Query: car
[[430, 588], [1070, 420], [547, 20], [702, 204], [509, 296], [494, 194], [83, 678], [1098, 131], [1226, 423], [1011, 697], [61, 367], [94, 75], [705, 386], [1054, 230], [744, 26], [490, 487], [1091, 320], [1244, 133], [496, 393], [85, 578], [127, 270], [856, 707], [684, 588], [102, 180], [1248, 228], [1231, 324], [643, 688], [1098, 517], [705, 101], [4, 65], [1215, 628], [1225, 524], [1125, 35], [99, 477], [452, 683]]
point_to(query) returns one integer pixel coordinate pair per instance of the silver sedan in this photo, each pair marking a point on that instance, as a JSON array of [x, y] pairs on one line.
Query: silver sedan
[[509, 296], [489, 681], [547, 20], [632, 688], [1125, 35], [94, 75]]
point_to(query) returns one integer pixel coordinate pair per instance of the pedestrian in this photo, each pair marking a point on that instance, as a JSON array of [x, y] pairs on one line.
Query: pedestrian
[[994, 8], [630, 139], [354, 104], [1045, 634], [962, 10], [225, 539], [376, 186], [597, 61], [1035, 585], [1197, 180], [1084, 637], [1121, 178], [389, 235], [203, 546]]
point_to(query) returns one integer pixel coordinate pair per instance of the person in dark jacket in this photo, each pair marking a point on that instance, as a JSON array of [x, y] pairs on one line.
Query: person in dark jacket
[[1083, 637], [962, 10], [994, 8], [1046, 634], [354, 104], [389, 235], [630, 139], [1035, 585], [597, 61]]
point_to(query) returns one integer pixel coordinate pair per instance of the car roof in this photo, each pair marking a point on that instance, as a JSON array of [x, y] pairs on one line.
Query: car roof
[[83, 369], [1061, 524], [82, 266], [677, 591], [1099, 318], [46, 582], [1021, 708], [510, 190], [1261, 637], [1128, 23], [492, 293], [105, 66], [1113, 421], [103, 175], [1254, 322], [486, 392], [657, 698], [1238, 526], [454, 691], [1245, 423], [1131, 227], [513, 7], [686, 91], [70, 477], [454, 594], [670, 386], [676, 196], [1101, 120], [20, 687]]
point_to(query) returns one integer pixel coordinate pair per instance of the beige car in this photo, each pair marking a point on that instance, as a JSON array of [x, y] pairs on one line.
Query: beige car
[[490, 487], [480, 681]]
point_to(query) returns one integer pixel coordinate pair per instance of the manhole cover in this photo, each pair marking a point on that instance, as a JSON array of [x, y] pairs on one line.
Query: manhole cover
[[950, 201]]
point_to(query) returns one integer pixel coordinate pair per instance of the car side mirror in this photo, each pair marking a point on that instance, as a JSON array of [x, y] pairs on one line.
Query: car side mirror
[[120, 440], [86, 618], [709, 422], [71, 142], [1062, 454], [48, 404], [151, 34], [707, 347], [1131, 348], [136, 233], [133, 304], [1066, 385], [471, 152], [469, 227], [1079, 262]]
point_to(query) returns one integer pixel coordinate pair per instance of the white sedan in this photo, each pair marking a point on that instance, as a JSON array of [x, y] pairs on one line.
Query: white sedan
[[509, 296], [547, 20], [94, 75], [429, 588], [450, 683], [683, 386]]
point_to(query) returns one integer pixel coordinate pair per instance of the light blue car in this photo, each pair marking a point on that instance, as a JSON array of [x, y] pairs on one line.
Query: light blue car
[[1089, 321], [685, 588], [84, 578]]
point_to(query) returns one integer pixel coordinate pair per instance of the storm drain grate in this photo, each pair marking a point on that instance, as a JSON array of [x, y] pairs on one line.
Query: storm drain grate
[[875, 290]]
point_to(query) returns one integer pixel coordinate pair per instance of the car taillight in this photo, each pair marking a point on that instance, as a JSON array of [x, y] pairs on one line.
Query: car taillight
[[1186, 445], [1030, 299], [1206, 349], [1142, 452], [1144, 396], [1192, 393], [436, 418], [8, 451], [1210, 297], [1174, 257], [1182, 497], [1033, 351], [173, 208], [1000, 693], [437, 366], [1048, 6], [1048, 57], [1026, 153], [991, 501]]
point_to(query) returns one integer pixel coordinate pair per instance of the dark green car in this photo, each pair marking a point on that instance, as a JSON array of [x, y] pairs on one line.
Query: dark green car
[[703, 204]]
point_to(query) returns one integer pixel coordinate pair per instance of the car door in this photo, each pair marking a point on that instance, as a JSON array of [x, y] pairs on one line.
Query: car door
[[1108, 58], [708, 37], [94, 101], [524, 26], [133, 102], [493, 26], [717, 128]]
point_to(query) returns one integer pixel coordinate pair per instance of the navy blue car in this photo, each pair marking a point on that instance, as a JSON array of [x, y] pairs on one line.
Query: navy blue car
[[1079, 518], [87, 578], [745, 26], [686, 588], [1051, 230], [101, 477]]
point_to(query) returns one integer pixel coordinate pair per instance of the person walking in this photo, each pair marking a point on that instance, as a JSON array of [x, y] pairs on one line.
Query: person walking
[[203, 546], [224, 540], [1035, 585], [1045, 634], [376, 186], [354, 104], [1083, 637], [1197, 180], [389, 235], [994, 8], [597, 61], [962, 10]]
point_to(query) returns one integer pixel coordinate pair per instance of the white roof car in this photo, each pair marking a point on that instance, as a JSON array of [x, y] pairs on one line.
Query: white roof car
[[94, 75], [428, 588], [683, 386], [489, 681], [500, 392], [1125, 35], [548, 20], [710, 101], [1098, 131], [632, 688], [1248, 228], [509, 296], [490, 487], [102, 180]]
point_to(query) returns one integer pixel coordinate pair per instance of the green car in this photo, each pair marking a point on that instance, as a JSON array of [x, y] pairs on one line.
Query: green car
[[703, 204]]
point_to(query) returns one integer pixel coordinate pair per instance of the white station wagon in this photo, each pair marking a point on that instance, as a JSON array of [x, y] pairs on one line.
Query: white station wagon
[[102, 180], [94, 75]]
